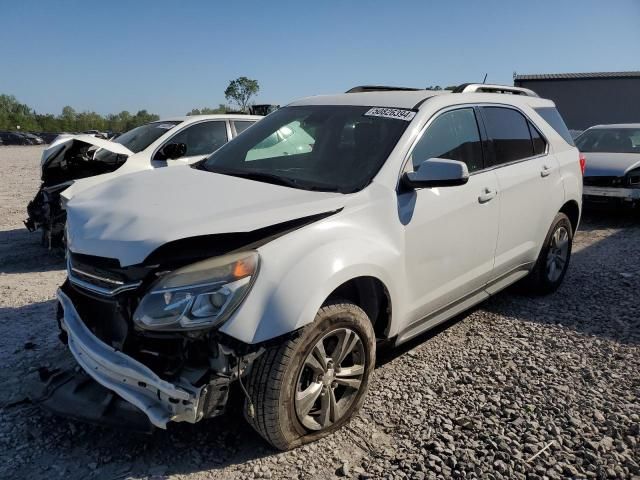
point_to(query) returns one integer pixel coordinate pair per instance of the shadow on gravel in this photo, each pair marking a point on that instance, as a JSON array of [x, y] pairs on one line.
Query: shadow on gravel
[[599, 216], [22, 252], [181, 450], [599, 295]]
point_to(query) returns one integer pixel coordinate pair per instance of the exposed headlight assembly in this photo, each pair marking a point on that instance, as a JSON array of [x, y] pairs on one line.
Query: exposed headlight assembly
[[200, 295]]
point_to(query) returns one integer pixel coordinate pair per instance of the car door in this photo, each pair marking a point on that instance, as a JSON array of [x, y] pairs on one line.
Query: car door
[[451, 232], [201, 139], [529, 185]]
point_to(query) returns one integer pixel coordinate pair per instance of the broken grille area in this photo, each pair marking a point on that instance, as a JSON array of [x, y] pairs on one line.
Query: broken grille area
[[103, 276]]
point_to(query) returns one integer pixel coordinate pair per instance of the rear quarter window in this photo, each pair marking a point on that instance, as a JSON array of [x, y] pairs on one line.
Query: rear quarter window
[[553, 118]]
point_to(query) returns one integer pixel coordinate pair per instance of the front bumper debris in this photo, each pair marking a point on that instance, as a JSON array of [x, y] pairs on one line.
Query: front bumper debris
[[74, 394], [612, 192], [160, 400]]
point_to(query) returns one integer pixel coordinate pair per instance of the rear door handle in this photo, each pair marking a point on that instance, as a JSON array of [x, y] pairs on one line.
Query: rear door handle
[[487, 195], [546, 171]]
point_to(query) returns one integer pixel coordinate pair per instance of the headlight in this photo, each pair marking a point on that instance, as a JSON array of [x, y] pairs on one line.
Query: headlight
[[200, 295]]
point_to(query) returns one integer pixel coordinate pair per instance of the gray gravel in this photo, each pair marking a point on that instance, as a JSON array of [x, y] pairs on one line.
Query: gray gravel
[[518, 388]]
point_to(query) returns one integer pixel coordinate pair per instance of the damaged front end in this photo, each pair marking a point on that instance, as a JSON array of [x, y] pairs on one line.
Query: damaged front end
[[62, 163], [148, 334]]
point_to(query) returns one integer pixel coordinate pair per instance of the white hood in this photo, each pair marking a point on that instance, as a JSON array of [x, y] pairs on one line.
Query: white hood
[[60, 145], [610, 164], [130, 216]]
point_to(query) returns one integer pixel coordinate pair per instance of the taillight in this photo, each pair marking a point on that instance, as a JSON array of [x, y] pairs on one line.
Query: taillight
[[583, 162]]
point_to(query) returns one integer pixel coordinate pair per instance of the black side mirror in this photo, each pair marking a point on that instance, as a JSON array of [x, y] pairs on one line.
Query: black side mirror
[[174, 150], [437, 172]]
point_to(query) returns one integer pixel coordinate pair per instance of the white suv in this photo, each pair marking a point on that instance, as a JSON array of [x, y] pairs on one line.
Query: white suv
[[278, 263]]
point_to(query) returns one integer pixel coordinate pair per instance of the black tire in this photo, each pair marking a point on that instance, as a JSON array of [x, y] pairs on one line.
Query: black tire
[[540, 281], [274, 378]]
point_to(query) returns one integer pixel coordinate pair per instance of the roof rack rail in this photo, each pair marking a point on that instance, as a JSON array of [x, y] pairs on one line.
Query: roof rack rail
[[379, 88], [486, 88]]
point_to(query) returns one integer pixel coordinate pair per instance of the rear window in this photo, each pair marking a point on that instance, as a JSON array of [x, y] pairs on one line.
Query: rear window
[[553, 118]]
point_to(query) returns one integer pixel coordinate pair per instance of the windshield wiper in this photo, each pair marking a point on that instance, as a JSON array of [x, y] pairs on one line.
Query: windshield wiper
[[268, 177]]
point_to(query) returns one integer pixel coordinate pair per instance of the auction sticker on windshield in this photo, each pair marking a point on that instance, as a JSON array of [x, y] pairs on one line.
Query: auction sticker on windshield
[[397, 113]]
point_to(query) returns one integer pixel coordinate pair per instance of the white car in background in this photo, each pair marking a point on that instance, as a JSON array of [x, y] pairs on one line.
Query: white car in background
[[280, 265], [76, 162], [612, 154]]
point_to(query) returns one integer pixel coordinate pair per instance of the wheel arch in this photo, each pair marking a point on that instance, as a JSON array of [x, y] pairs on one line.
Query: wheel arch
[[572, 210], [287, 296], [372, 296]]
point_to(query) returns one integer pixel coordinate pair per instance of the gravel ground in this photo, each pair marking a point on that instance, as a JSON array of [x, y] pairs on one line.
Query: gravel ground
[[520, 387]]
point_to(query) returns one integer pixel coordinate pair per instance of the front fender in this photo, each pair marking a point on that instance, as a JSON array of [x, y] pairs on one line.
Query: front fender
[[293, 282]]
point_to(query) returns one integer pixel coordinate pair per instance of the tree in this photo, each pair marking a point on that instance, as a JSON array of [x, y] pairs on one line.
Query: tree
[[222, 108], [14, 113], [68, 119], [241, 90]]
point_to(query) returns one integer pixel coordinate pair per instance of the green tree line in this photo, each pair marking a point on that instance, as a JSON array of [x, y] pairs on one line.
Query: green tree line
[[14, 114]]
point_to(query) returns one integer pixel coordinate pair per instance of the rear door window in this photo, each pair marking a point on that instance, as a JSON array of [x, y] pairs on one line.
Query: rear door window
[[509, 131], [553, 118]]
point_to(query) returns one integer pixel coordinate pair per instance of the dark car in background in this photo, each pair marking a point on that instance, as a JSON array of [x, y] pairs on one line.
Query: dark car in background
[[14, 138], [33, 138], [47, 137]]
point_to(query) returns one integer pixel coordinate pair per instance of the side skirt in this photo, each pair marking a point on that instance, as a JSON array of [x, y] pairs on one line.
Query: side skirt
[[449, 311]]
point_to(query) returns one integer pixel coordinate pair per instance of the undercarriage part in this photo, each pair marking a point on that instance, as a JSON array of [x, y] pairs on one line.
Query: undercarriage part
[[45, 213], [214, 398], [76, 395]]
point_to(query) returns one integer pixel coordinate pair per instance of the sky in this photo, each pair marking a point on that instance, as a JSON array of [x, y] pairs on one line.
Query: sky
[[171, 56]]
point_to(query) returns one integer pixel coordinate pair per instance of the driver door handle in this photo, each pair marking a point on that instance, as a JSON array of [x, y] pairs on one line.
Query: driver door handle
[[546, 171], [487, 195]]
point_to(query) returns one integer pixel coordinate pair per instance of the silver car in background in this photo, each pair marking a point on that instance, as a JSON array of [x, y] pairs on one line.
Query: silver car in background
[[612, 162]]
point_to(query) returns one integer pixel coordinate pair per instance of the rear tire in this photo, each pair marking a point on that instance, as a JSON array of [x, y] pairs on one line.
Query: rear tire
[[553, 261], [311, 384]]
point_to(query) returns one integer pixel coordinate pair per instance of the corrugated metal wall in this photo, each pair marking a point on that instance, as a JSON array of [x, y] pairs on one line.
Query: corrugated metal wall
[[587, 102]]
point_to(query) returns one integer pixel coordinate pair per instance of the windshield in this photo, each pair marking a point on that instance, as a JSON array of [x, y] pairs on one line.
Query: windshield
[[135, 140], [612, 140], [321, 147], [141, 137]]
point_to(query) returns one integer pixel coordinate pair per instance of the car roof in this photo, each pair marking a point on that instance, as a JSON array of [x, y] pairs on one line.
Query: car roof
[[395, 98], [227, 116], [617, 125], [414, 99]]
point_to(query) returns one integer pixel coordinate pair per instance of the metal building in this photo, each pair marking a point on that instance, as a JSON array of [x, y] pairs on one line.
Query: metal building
[[587, 99]]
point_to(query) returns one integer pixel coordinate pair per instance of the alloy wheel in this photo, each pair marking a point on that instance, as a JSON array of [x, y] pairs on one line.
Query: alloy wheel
[[330, 379], [558, 254]]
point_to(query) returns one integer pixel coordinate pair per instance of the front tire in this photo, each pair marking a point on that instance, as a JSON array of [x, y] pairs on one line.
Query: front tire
[[553, 261], [312, 384]]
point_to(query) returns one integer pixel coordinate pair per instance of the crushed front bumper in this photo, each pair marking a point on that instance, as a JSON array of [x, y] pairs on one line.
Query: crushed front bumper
[[160, 400], [631, 194]]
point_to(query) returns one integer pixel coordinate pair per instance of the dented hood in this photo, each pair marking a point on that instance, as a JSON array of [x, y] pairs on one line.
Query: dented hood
[[56, 150], [130, 216], [610, 164]]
